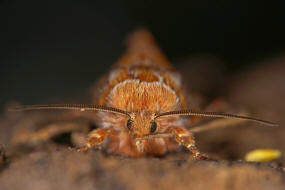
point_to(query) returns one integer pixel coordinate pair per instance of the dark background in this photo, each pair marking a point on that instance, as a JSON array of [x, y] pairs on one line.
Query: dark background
[[56, 48]]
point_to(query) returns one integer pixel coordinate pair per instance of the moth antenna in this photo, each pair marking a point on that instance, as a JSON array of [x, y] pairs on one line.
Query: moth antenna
[[214, 114], [79, 107]]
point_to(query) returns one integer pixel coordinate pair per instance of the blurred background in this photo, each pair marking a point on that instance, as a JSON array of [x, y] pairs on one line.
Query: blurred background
[[55, 48]]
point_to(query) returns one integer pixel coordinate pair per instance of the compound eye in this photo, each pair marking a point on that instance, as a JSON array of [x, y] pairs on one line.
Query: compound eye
[[153, 126], [129, 124]]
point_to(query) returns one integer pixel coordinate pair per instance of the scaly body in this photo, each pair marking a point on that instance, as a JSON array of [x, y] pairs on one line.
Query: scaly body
[[144, 83]]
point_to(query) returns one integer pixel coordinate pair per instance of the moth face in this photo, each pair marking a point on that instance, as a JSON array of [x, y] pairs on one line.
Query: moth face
[[142, 123]]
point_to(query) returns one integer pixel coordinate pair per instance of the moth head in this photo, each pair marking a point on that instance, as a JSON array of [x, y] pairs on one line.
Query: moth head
[[142, 123]]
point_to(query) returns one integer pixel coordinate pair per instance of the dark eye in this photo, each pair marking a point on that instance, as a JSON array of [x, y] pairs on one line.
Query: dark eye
[[129, 123], [153, 126]]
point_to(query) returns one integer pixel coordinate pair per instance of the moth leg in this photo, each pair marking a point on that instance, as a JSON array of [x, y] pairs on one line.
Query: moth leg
[[184, 137], [95, 137]]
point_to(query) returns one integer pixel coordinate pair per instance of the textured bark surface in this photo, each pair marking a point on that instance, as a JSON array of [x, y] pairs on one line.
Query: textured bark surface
[[51, 165]]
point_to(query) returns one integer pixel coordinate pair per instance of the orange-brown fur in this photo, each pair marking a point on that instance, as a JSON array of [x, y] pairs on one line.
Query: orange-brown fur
[[142, 82]]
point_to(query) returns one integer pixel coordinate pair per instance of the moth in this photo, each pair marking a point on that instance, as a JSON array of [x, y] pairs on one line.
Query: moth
[[140, 107]]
